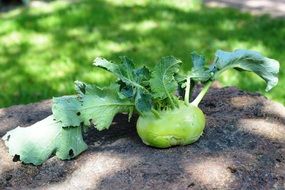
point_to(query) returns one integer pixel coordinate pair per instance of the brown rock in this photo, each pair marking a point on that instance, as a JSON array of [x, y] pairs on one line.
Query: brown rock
[[243, 147]]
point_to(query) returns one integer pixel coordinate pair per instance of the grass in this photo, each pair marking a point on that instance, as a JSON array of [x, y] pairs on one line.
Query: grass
[[44, 49]]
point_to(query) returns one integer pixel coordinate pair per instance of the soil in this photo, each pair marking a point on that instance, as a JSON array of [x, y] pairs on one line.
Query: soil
[[243, 147]]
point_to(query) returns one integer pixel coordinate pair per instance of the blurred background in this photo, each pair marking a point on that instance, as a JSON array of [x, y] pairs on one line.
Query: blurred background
[[46, 45]]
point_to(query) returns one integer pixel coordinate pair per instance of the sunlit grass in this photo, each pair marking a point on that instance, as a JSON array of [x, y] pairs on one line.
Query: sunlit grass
[[44, 48]]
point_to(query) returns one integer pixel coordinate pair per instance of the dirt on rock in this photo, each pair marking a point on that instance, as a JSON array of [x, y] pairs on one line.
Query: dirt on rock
[[243, 147]]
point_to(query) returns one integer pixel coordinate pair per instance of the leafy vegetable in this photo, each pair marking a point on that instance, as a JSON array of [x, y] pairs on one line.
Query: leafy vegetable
[[164, 119]]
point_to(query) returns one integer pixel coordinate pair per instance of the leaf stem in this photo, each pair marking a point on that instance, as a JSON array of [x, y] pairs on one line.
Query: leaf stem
[[170, 99], [202, 94], [155, 113], [187, 90]]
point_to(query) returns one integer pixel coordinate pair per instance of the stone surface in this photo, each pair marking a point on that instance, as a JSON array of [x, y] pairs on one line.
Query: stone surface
[[243, 147]]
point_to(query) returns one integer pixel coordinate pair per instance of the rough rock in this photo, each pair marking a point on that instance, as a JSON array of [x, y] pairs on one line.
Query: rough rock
[[243, 147]]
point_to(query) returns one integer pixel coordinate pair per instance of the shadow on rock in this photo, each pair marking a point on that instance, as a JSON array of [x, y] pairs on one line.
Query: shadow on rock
[[242, 148]]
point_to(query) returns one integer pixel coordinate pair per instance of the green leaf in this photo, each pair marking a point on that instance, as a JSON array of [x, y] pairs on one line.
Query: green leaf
[[133, 81], [143, 102], [162, 81], [249, 60], [201, 75], [35, 144], [199, 72], [80, 87], [99, 106], [142, 75], [127, 91], [197, 60], [124, 71], [96, 106], [66, 109]]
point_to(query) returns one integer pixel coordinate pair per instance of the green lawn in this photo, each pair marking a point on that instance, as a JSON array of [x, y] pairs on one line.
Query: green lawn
[[43, 50]]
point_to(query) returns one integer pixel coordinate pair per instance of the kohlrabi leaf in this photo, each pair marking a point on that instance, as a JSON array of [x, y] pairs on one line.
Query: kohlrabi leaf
[[126, 91], [124, 71], [133, 81], [100, 105], [143, 99], [96, 106], [201, 75], [35, 144], [198, 60], [199, 72], [143, 102], [249, 60], [162, 80], [66, 110], [142, 75], [80, 87]]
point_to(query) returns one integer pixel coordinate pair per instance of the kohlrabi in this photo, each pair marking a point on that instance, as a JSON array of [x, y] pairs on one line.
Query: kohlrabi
[[182, 123], [165, 118], [179, 126]]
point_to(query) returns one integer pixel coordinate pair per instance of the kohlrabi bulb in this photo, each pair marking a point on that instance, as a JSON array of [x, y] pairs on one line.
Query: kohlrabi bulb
[[179, 126]]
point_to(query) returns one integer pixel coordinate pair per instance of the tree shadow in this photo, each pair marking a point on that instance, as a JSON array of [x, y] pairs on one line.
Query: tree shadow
[[242, 158], [8, 5], [146, 32], [29, 176], [231, 153]]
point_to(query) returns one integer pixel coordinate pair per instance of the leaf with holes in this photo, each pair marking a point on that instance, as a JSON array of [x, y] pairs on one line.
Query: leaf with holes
[[94, 105], [35, 144], [66, 109], [100, 105]]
